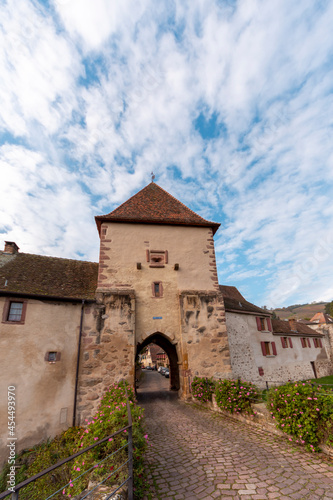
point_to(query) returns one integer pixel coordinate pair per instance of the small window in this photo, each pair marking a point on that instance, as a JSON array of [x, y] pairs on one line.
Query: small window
[[305, 342], [264, 324], [15, 311], [317, 343], [52, 356], [157, 289], [268, 348], [286, 342]]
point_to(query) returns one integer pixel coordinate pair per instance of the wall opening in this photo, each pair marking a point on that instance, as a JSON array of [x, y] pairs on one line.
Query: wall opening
[[170, 349]]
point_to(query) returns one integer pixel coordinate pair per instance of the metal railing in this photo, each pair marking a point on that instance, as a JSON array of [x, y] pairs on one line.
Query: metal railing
[[129, 480]]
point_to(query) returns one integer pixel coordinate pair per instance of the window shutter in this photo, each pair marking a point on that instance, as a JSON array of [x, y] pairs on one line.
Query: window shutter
[[258, 324], [153, 289], [274, 348], [290, 342], [263, 348], [283, 342], [302, 342], [308, 342], [269, 324], [261, 371], [320, 343], [315, 342]]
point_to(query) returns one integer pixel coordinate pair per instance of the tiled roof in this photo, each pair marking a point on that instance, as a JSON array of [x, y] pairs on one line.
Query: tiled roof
[[49, 276], [283, 326], [235, 302], [153, 205], [321, 318]]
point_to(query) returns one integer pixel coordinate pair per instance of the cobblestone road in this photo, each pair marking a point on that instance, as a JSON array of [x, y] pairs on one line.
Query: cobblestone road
[[196, 454]]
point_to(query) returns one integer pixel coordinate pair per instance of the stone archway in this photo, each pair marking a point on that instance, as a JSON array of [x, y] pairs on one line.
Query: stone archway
[[162, 341]]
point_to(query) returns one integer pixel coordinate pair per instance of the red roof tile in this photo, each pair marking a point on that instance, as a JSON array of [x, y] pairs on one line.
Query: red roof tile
[[153, 205]]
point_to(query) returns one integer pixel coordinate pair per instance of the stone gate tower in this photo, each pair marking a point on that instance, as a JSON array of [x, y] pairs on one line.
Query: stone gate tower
[[158, 283]]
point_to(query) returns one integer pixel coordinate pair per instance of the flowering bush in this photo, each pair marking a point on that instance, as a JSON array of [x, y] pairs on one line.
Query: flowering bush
[[236, 396], [303, 411], [110, 417], [203, 388]]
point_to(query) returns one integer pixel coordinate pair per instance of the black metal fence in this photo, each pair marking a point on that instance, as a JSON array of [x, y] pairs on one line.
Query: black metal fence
[[129, 461]]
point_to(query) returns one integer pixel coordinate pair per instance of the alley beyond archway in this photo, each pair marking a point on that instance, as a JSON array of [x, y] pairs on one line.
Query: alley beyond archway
[[196, 454]]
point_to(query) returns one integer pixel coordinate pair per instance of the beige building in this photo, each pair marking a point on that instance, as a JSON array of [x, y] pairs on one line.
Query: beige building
[[69, 328]]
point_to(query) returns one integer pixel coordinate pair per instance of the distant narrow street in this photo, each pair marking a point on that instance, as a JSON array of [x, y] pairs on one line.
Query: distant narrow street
[[196, 454]]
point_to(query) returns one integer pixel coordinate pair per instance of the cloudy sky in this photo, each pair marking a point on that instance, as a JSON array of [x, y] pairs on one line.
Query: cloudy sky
[[229, 102]]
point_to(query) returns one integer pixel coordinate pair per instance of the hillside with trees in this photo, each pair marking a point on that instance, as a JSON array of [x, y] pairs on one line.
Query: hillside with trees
[[303, 311]]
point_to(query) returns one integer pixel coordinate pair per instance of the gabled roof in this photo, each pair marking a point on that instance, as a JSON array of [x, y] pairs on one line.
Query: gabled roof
[[321, 319], [30, 274], [153, 205], [281, 326], [235, 302]]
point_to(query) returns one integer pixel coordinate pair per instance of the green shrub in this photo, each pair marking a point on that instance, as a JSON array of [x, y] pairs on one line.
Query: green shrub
[[110, 417], [202, 388], [235, 396], [303, 411]]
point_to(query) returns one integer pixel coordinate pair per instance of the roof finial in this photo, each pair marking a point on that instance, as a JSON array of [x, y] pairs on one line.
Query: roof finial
[[152, 177]]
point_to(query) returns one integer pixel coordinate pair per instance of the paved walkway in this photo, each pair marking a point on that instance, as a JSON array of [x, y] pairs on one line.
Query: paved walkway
[[196, 454]]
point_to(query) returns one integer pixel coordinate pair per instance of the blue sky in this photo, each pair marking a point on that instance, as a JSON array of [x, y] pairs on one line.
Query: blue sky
[[229, 102]]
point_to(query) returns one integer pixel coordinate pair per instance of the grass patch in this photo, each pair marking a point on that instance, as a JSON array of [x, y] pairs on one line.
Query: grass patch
[[323, 380]]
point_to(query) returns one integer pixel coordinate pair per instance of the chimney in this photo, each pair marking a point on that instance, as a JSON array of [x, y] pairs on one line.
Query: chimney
[[11, 247], [292, 324]]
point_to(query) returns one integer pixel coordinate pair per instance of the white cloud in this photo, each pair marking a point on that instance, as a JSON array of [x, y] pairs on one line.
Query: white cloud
[[264, 69]]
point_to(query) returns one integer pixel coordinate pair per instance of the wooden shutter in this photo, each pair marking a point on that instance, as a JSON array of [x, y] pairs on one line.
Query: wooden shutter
[[274, 348], [153, 289], [309, 345], [269, 324], [283, 343], [258, 323], [303, 342], [263, 348], [290, 342], [315, 342], [261, 370], [320, 343]]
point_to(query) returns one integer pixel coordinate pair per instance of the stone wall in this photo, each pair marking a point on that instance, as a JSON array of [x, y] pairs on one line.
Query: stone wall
[[204, 335], [108, 352]]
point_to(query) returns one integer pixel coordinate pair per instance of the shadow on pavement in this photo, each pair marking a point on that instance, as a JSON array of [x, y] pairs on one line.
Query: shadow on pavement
[[163, 395]]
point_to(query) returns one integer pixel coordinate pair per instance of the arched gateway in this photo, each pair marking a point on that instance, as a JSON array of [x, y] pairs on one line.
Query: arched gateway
[[169, 348], [157, 273]]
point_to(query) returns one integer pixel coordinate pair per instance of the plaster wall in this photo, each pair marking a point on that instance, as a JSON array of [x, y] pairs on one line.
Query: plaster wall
[[44, 390], [289, 363]]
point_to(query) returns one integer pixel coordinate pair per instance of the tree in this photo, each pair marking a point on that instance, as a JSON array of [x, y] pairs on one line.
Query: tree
[[329, 308]]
